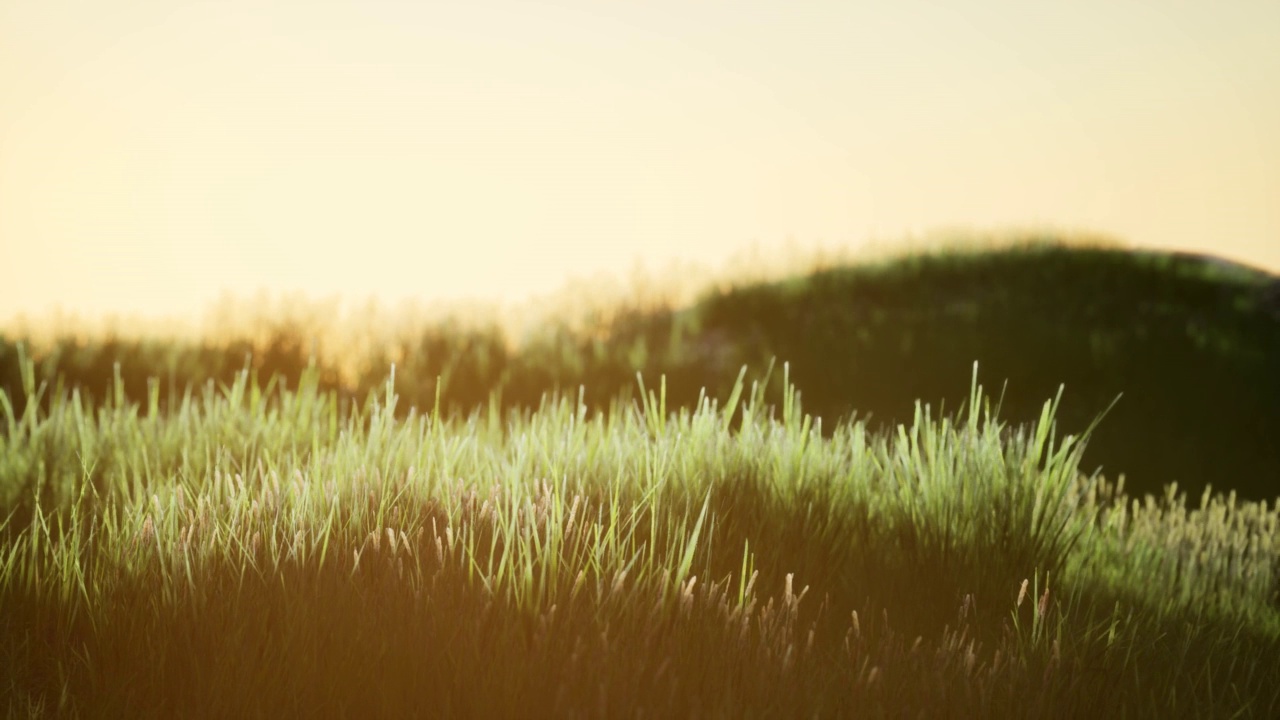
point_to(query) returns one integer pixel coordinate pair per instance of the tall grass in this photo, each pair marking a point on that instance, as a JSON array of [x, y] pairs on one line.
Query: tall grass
[[1192, 347], [262, 551]]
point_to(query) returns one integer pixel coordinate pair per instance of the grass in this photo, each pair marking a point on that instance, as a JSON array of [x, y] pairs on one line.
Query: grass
[[1189, 347], [255, 551]]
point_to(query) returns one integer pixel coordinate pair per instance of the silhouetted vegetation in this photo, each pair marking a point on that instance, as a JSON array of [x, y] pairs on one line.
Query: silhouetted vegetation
[[254, 553], [271, 523], [1193, 347]]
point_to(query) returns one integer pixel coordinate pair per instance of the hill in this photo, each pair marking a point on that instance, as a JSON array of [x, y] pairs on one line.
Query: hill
[[1190, 344]]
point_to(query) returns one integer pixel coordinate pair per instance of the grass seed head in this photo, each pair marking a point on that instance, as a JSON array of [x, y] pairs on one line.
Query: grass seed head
[[147, 532]]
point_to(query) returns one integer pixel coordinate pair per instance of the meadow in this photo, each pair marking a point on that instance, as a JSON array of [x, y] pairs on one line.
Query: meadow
[[1180, 352], [295, 543]]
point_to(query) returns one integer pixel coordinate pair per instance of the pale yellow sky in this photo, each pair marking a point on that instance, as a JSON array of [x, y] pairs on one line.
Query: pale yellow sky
[[155, 154]]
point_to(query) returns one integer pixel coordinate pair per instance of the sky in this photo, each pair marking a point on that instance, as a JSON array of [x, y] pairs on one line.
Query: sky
[[157, 155]]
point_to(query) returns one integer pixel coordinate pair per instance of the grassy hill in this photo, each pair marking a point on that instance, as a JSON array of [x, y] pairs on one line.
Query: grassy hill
[[1190, 345], [197, 546]]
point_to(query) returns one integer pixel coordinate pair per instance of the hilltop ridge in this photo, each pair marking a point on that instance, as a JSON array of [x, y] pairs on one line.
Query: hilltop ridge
[[1189, 344]]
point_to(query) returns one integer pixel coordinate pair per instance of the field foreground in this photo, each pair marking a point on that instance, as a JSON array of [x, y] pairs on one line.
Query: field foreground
[[259, 552]]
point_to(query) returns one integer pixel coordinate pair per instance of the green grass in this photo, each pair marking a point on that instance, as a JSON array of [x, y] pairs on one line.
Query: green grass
[[1189, 347], [250, 551]]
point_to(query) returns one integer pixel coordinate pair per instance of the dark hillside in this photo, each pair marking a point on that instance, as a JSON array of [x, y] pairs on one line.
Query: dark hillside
[[1193, 344]]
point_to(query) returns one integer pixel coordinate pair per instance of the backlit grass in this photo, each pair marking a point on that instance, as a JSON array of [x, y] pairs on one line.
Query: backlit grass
[[257, 551], [1189, 345]]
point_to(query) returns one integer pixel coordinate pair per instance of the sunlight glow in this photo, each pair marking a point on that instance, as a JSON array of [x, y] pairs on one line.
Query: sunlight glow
[[156, 155]]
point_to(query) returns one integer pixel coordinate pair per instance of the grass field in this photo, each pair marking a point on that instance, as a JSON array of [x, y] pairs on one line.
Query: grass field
[[1188, 346], [263, 553], [631, 514]]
